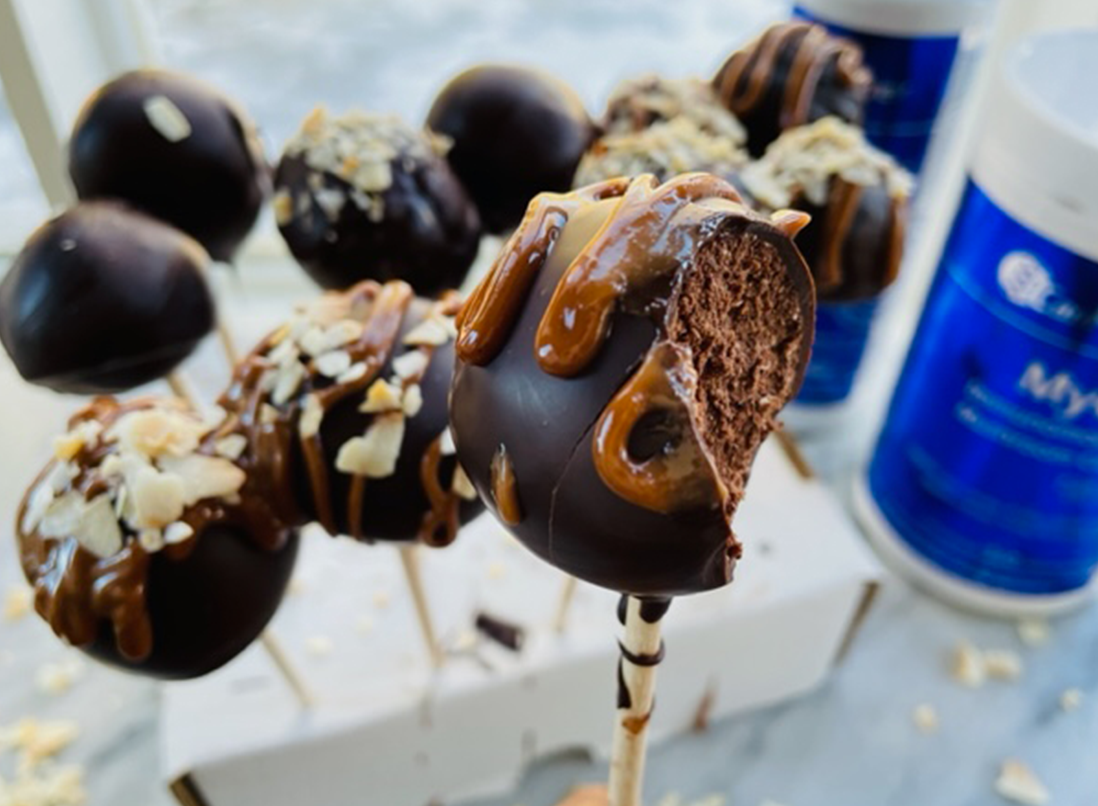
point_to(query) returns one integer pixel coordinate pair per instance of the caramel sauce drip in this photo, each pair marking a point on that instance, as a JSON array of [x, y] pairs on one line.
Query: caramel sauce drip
[[743, 81], [505, 490], [440, 523], [75, 591], [630, 265], [839, 217], [680, 474]]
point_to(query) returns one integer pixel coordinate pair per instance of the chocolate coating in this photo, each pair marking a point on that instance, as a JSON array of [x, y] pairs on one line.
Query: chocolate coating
[[103, 299], [792, 74], [166, 608], [420, 497], [644, 510], [200, 167], [365, 197], [516, 132]]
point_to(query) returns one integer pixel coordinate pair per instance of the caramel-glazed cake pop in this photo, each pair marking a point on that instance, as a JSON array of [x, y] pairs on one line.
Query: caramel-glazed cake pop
[[857, 197], [792, 74], [151, 541], [618, 369], [350, 396]]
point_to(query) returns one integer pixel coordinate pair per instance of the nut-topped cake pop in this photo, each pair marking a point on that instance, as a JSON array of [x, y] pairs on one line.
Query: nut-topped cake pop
[[638, 103], [366, 197], [516, 132], [150, 542], [857, 197], [104, 298], [353, 392], [618, 369], [176, 148], [792, 74]]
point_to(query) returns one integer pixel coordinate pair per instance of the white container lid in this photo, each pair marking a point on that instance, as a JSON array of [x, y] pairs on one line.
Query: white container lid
[[1037, 153], [899, 17]]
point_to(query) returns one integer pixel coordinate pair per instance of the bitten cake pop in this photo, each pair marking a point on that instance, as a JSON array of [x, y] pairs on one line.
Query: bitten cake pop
[[857, 197], [175, 148], [638, 103], [516, 132], [792, 74], [367, 197], [618, 369], [150, 542], [102, 299]]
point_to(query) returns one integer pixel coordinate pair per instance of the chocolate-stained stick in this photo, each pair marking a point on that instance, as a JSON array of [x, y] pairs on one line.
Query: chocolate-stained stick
[[409, 559], [564, 604], [641, 653]]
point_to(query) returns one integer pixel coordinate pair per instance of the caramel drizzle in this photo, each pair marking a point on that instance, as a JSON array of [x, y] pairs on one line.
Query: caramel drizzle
[[445, 511], [505, 488], [743, 80], [645, 240], [840, 215], [74, 590]]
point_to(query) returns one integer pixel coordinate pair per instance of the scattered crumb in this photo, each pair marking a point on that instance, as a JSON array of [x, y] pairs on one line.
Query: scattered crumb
[[1018, 783], [1034, 632], [296, 587], [1002, 664], [57, 678], [496, 570], [465, 640], [364, 625], [319, 646], [37, 740], [1070, 700], [925, 718], [17, 603], [381, 599], [968, 667], [45, 785]]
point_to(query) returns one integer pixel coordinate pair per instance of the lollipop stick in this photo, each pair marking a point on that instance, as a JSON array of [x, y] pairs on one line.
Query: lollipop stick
[[564, 604], [182, 389], [409, 558], [228, 343], [641, 652], [286, 669]]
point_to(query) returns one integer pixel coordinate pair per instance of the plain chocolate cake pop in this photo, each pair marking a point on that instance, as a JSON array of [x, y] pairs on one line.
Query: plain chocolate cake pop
[[151, 543], [367, 197], [516, 132], [103, 299], [177, 148], [857, 197], [792, 74], [354, 391], [618, 369]]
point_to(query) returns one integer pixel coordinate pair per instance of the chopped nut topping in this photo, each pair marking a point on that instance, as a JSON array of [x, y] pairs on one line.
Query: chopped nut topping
[[287, 382], [205, 477], [178, 532], [413, 400], [461, 485], [645, 100], [17, 603], [1002, 664], [333, 364], [331, 201], [382, 396], [446, 443], [167, 118], [374, 454], [283, 204], [1018, 783], [312, 414], [151, 540], [925, 718], [410, 365], [66, 446], [342, 333], [231, 446], [157, 432], [354, 372], [158, 498], [968, 665], [431, 332]]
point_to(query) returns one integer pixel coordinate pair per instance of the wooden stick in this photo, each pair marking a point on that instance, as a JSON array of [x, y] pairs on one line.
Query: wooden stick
[[228, 344], [288, 671], [409, 558], [564, 604], [181, 388], [641, 652]]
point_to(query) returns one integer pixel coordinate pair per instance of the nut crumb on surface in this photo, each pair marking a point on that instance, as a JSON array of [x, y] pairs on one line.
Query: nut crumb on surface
[[381, 599], [1070, 700], [1018, 783], [496, 570], [39, 781], [319, 646], [17, 602], [1034, 632], [968, 667], [1002, 664], [58, 677], [925, 718]]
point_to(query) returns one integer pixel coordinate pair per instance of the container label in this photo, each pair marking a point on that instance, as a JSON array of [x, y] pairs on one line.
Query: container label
[[910, 74], [842, 329], [988, 461]]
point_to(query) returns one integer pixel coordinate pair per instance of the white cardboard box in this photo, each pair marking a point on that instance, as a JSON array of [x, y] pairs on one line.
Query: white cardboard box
[[389, 731]]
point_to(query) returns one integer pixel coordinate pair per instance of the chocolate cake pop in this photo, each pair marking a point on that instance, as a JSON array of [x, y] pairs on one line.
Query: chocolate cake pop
[[792, 74], [516, 132], [175, 148], [638, 103], [351, 394], [102, 299], [618, 369], [151, 543], [366, 197], [857, 197]]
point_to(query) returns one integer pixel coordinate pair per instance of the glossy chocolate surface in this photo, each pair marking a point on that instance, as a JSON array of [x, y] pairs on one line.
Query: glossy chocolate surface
[[516, 132], [103, 299], [410, 219], [177, 148], [792, 74], [163, 606], [614, 483]]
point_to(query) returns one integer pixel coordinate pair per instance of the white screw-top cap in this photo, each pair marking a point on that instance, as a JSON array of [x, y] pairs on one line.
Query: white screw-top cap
[[899, 17], [1037, 152]]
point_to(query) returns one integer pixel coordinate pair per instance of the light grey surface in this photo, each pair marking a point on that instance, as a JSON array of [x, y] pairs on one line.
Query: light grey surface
[[851, 743]]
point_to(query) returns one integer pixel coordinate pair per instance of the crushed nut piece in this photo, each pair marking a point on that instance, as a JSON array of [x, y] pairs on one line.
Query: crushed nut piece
[[1017, 782], [446, 443], [374, 454], [1070, 700], [411, 365], [462, 486], [66, 446], [1002, 664], [925, 718], [17, 602], [319, 646], [283, 204], [158, 498], [381, 599], [1034, 632], [167, 118], [287, 381], [57, 678], [151, 540], [430, 332], [968, 665], [204, 477], [382, 396], [178, 532], [311, 416], [413, 400], [354, 372], [333, 364]]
